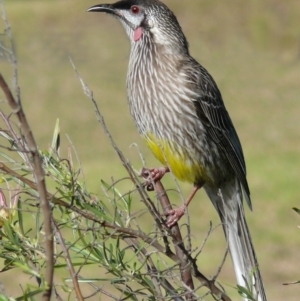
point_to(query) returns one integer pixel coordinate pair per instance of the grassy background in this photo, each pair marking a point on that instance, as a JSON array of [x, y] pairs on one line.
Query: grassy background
[[252, 49]]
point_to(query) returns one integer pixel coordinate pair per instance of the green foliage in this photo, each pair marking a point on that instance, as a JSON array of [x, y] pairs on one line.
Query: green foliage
[[75, 211]]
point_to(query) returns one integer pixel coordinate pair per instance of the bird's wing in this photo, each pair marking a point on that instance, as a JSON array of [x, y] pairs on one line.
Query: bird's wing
[[213, 114]]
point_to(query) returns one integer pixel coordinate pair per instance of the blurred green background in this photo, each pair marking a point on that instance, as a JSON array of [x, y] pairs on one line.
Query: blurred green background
[[252, 49]]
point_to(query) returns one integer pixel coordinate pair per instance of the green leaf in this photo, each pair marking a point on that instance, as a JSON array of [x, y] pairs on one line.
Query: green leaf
[[130, 294], [89, 280], [111, 252], [11, 234], [297, 210], [88, 252], [116, 192], [9, 159], [75, 264], [105, 253], [98, 212], [20, 217], [149, 284], [4, 298], [289, 283], [245, 293], [37, 226], [55, 145], [27, 269], [29, 294]]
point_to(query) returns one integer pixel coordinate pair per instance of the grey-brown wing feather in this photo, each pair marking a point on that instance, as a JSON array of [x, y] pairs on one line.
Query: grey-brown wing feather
[[212, 112]]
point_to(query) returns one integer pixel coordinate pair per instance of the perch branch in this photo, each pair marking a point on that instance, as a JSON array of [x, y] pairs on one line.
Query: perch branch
[[185, 267]]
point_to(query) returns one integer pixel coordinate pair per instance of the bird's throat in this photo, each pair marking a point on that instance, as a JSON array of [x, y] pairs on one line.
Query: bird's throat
[[138, 33]]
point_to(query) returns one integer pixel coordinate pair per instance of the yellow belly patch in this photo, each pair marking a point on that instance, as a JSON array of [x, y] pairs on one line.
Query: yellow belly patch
[[177, 160]]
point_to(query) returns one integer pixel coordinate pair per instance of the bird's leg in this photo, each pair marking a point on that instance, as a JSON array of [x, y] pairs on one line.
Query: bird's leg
[[175, 214], [152, 175]]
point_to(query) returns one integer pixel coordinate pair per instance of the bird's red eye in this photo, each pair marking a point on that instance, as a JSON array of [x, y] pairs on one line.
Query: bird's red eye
[[135, 9]]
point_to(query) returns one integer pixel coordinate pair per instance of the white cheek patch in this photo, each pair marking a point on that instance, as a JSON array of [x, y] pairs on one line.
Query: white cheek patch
[[159, 37], [138, 33]]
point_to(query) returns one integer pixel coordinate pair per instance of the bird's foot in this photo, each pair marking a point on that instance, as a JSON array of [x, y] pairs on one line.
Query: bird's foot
[[152, 175], [174, 215]]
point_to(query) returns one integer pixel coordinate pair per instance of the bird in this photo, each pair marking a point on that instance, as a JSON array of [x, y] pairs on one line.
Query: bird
[[179, 112]]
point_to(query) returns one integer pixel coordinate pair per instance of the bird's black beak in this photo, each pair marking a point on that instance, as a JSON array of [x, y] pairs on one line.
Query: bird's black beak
[[107, 8]]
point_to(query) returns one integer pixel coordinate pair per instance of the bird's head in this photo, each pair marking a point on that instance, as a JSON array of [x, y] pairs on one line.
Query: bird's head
[[147, 18]]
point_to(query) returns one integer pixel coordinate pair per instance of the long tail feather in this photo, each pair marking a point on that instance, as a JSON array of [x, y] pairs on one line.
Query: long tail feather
[[228, 202]]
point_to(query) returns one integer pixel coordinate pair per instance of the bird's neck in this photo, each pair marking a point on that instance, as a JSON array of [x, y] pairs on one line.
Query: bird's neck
[[146, 53]]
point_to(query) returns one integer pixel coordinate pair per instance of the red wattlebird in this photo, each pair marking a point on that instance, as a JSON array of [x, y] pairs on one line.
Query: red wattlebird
[[179, 111]]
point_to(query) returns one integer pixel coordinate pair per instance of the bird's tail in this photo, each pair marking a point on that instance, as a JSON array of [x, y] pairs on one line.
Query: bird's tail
[[228, 202]]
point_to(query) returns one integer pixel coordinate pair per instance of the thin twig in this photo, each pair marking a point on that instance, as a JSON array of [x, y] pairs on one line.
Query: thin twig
[[221, 264], [78, 160], [209, 232], [69, 263], [56, 294], [98, 289], [15, 138]]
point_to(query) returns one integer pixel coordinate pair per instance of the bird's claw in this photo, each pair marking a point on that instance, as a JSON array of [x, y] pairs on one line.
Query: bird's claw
[[152, 175], [174, 215]]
